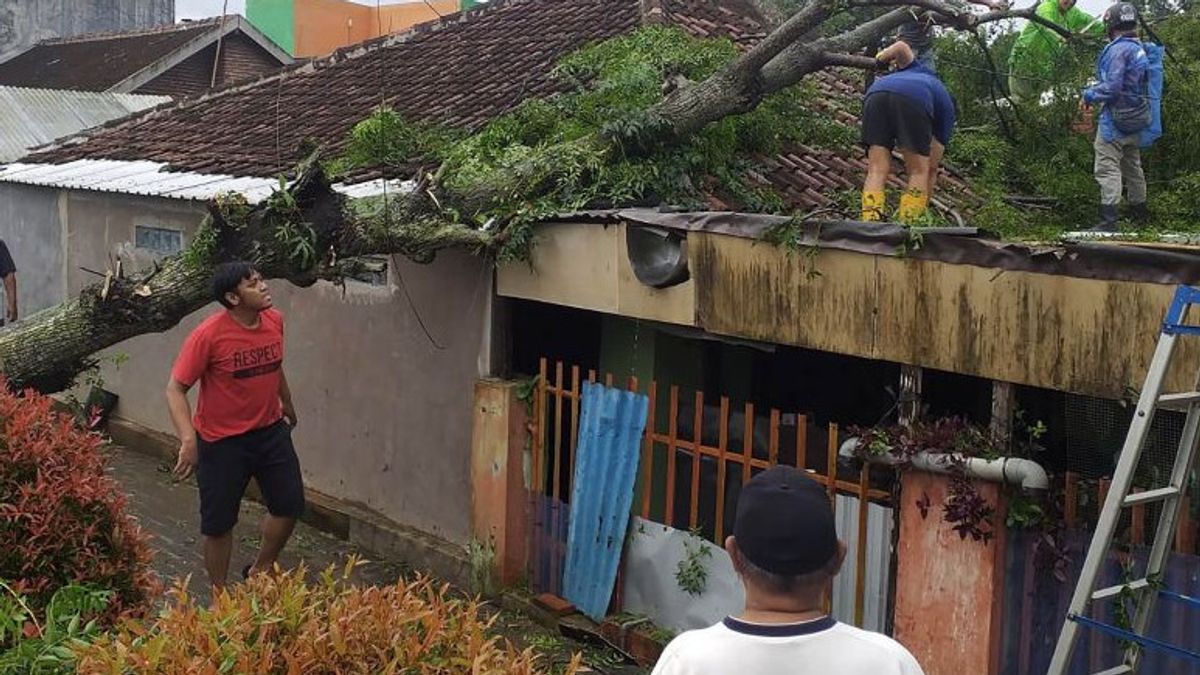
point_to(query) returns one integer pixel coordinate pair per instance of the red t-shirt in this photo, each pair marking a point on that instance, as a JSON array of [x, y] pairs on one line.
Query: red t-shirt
[[239, 370]]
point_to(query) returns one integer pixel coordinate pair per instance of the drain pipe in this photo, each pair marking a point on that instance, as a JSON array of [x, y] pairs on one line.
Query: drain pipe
[[1010, 470]]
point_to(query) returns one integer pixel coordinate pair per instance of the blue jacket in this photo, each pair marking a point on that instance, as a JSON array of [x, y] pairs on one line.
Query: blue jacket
[[1121, 71], [920, 84]]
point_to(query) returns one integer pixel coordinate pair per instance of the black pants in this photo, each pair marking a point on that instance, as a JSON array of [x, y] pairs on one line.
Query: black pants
[[891, 120], [225, 467]]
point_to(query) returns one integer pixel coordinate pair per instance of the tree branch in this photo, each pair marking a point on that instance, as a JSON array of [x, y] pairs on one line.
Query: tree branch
[[849, 61], [808, 17], [964, 19]]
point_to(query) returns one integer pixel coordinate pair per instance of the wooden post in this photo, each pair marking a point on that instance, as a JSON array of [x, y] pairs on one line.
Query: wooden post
[[1003, 404]]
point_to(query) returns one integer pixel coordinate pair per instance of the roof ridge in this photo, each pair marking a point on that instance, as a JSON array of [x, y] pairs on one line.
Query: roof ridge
[[138, 32]]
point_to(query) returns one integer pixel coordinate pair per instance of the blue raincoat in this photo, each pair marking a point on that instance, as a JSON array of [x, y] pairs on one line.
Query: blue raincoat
[[1123, 65]]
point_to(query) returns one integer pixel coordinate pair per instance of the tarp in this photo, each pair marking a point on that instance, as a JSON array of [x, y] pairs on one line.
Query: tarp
[[606, 461]]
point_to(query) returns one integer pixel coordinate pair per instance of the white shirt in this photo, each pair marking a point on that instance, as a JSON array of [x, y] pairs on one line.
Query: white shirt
[[820, 647]]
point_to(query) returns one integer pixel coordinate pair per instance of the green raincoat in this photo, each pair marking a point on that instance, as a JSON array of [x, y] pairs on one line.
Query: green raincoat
[[1038, 48]]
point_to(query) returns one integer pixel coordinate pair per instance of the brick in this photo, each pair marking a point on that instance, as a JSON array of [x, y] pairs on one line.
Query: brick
[[554, 604]]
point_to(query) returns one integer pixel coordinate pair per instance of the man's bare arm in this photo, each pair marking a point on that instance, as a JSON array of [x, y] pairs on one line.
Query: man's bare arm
[[181, 417]]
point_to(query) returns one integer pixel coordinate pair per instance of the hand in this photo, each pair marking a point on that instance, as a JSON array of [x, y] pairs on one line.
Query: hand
[[289, 416], [188, 456]]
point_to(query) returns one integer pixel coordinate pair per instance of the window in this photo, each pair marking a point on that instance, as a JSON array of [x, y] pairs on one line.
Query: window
[[160, 240]]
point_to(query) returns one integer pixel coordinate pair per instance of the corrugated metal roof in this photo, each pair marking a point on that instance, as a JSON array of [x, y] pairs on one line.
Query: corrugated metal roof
[[33, 117], [154, 180], [610, 440]]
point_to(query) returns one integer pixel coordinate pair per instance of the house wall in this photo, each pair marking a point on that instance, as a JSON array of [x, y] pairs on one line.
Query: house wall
[[317, 27], [1084, 336], [32, 227], [385, 413], [276, 19], [24, 22], [241, 59]]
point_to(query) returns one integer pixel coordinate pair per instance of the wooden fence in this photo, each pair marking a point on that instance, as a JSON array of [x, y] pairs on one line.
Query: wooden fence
[[683, 440]]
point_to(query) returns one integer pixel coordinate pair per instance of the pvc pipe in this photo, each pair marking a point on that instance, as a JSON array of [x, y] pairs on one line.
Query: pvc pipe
[[1011, 470]]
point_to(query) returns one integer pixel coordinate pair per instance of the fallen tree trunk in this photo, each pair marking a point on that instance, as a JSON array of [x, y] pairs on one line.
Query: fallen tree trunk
[[309, 232]]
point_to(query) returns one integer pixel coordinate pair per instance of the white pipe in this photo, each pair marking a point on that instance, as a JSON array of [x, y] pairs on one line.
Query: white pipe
[[1011, 470]]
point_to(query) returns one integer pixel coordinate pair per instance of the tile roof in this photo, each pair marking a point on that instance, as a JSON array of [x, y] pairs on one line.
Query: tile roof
[[462, 71], [96, 62]]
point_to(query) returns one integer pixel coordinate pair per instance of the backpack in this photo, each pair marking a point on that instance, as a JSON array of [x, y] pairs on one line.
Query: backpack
[[1136, 118]]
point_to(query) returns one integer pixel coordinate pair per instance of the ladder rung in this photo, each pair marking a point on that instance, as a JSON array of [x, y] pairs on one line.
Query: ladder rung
[[1112, 591], [1179, 401], [1156, 495], [1119, 670]]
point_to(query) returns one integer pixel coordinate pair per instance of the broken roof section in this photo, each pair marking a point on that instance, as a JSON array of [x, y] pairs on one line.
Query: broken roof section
[[461, 71], [174, 60], [33, 117]]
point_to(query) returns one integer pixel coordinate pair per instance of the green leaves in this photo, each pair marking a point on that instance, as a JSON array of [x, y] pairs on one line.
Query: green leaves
[[46, 647]]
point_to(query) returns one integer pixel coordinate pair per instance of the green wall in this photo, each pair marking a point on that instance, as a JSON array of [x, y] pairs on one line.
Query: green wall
[[275, 18]]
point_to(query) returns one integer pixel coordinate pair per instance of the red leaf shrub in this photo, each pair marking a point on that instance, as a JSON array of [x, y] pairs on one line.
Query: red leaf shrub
[[62, 520]]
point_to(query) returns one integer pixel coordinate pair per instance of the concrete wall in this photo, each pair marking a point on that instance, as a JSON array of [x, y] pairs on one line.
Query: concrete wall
[[317, 27], [32, 228], [24, 22], [385, 413]]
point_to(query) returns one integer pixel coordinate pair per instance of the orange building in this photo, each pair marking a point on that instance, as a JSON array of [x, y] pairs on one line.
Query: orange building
[[307, 28]]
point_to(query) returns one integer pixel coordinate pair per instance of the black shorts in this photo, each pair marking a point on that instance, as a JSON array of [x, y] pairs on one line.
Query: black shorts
[[224, 469], [891, 120]]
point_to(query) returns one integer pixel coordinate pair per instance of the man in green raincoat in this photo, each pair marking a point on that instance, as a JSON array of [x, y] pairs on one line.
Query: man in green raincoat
[[1037, 50]]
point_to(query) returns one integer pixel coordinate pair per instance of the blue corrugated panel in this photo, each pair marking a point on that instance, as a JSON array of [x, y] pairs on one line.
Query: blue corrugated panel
[[610, 437]]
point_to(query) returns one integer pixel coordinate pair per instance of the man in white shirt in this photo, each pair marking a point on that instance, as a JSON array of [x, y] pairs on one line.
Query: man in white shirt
[[786, 552]]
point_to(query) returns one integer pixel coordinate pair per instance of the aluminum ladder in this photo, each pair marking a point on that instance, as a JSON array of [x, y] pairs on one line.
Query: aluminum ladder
[[1147, 589]]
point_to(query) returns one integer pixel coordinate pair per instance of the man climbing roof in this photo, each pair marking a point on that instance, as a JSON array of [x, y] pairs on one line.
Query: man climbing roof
[[912, 111], [1038, 49]]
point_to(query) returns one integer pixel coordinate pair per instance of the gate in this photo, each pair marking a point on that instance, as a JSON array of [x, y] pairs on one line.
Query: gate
[[695, 456]]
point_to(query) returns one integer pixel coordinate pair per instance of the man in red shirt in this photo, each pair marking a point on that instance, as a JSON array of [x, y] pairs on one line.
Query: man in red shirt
[[244, 419]]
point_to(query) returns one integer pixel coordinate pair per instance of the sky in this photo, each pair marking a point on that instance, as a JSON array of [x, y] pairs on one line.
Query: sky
[[199, 9]]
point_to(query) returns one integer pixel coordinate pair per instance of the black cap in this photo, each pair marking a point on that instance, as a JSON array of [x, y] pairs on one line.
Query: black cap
[[784, 523]]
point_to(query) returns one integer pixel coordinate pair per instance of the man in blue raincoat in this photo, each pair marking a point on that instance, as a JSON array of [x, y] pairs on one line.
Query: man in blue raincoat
[[1127, 116]]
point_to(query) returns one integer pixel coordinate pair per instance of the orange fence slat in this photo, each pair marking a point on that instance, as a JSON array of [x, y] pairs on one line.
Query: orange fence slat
[[648, 452], [773, 434], [697, 436], [539, 435], [860, 576], [801, 440], [722, 468], [558, 420], [672, 427], [748, 443], [574, 440]]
